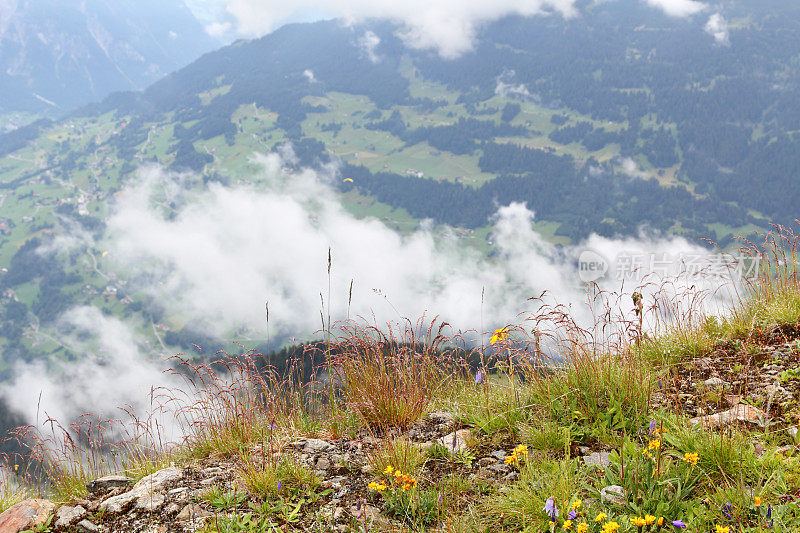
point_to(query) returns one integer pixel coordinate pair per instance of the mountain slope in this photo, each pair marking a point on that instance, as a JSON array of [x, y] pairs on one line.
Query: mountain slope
[[55, 54]]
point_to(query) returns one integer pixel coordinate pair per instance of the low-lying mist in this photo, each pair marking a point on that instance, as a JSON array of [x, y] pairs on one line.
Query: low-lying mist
[[213, 256]]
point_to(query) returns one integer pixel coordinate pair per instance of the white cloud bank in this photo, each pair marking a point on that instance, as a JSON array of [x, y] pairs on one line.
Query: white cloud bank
[[214, 257], [717, 27], [448, 26], [678, 8]]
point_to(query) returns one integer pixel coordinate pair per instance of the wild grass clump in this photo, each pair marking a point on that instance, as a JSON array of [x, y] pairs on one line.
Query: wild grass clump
[[772, 297], [269, 479], [60, 460], [232, 404], [393, 454], [390, 378]]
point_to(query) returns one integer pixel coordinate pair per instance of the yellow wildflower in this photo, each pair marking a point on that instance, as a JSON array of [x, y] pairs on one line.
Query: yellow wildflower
[[521, 449], [576, 504], [638, 521], [610, 527], [757, 500], [388, 470], [510, 459], [660, 521], [583, 527], [377, 487], [654, 444], [691, 458], [649, 519], [406, 487], [600, 517], [722, 529], [567, 525], [499, 335]]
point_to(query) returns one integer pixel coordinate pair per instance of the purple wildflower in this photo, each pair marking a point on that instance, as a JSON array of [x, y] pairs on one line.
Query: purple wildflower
[[652, 426], [769, 511], [478, 377], [280, 484], [680, 524], [551, 509], [573, 514], [726, 510], [272, 426]]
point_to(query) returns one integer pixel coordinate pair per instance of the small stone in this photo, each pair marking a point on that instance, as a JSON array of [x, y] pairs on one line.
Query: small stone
[[178, 490], [601, 459], [500, 455], [333, 483], [323, 463], [441, 418], [367, 469], [792, 432], [191, 512], [172, 509], [513, 476], [119, 503], [27, 514], [486, 461], [84, 526], [613, 494], [150, 502], [338, 513], [209, 481], [499, 468], [158, 479], [456, 441], [108, 482], [714, 382], [316, 446], [66, 516]]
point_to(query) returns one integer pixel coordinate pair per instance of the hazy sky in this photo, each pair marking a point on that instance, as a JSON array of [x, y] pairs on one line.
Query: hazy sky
[[448, 26]]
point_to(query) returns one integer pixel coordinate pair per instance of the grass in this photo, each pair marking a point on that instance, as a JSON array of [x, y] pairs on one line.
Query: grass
[[549, 383]]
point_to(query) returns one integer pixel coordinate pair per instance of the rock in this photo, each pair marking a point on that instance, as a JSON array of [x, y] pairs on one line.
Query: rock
[[84, 526], [323, 463], [424, 446], [714, 382], [513, 476], [792, 432], [441, 418], [338, 513], [119, 503], [500, 455], [66, 515], [333, 483], [150, 502], [367, 469], [740, 413], [27, 514], [486, 461], [613, 494], [107, 483], [499, 468], [157, 479], [314, 446], [601, 459], [209, 481], [145, 487], [456, 441], [360, 512], [191, 512]]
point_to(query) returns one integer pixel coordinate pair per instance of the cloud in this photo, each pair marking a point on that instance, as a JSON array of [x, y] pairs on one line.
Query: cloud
[[678, 8], [505, 86], [369, 43], [113, 370], [309, 74], [214, 256], [447, 26], [717, 27]]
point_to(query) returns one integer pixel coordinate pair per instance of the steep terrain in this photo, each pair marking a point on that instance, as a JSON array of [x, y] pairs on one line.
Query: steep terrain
[[56, 55]]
